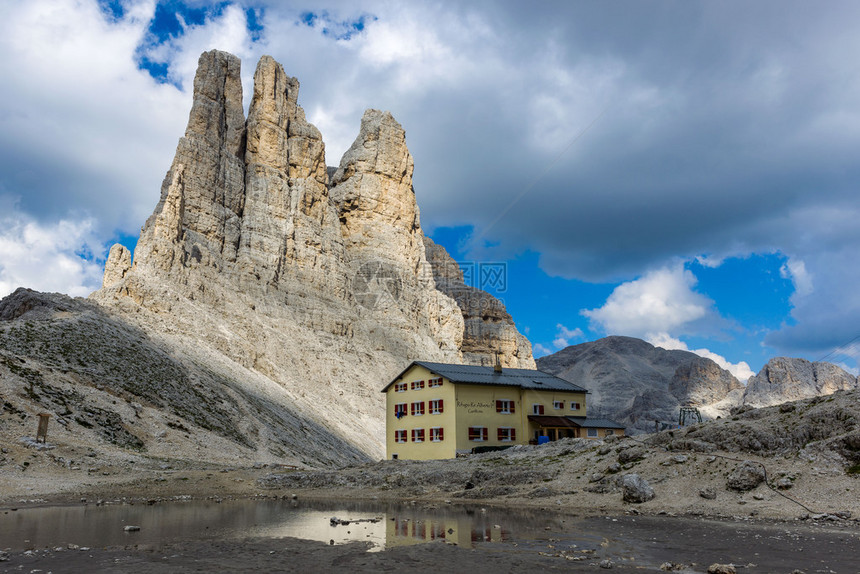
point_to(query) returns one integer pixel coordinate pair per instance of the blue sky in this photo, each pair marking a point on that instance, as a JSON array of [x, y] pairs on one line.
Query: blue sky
[[684, 172]]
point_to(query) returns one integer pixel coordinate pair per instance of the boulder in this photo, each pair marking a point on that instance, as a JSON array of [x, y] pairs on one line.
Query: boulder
[[746, 476], [636, 489]]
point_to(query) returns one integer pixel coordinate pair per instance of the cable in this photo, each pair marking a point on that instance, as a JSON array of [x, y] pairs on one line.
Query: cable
[[840, 349]]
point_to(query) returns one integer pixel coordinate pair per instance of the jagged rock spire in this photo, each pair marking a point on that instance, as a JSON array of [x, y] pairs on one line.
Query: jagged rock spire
[[247, 213], [198, 216]]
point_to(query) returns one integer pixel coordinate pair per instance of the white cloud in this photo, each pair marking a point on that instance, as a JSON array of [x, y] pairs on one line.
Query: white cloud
[[660, 301], [795, 270], [64, 257], [564, 335], [539, 350], [741, 370]]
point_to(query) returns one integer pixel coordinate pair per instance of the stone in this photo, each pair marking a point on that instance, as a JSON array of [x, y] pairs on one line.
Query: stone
[[631, 454], [783, 483], [636, 489], [708, 493], [746, 476], [131, 528], [721, 569], [606, 564]]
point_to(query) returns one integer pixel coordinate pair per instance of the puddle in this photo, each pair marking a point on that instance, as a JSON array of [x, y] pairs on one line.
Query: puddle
[[391, 525], [634, 541]]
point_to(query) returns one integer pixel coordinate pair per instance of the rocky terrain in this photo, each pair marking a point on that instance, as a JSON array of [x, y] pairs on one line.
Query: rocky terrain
[[635, 383]]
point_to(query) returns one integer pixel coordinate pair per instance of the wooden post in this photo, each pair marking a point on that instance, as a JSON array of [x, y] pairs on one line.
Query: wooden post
[[42, 432]]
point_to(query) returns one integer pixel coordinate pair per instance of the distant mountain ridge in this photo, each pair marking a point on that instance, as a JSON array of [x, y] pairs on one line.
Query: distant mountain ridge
[[637, 383]]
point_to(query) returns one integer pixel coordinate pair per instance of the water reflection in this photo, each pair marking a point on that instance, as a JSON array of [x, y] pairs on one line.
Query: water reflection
[[397, 525]]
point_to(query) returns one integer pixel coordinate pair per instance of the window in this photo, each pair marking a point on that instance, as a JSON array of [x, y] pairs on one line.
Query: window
[[558, 405], [592, 433], [436, 407], [437, 382], [478, 434], [418, 408], [400, 387], [400, 436], [505, 406], [608, 432], [417, 435], [507, 434], [537, 409], [399, 410], [437, 434], [417, 385], [574, 406]]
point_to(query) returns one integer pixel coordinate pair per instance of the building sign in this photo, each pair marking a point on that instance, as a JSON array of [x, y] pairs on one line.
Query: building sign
[[475, 406]]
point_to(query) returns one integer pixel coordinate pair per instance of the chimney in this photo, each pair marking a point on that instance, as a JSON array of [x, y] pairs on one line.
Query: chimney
[[498, 367]]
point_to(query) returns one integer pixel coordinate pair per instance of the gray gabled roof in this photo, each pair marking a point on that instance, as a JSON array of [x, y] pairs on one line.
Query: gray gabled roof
[[476, 375]]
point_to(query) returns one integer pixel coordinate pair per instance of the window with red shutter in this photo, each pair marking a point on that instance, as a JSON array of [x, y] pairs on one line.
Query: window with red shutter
[[478, 433], [400, 410], [436, 434], [507, 434], [504, 406], [485, 433]]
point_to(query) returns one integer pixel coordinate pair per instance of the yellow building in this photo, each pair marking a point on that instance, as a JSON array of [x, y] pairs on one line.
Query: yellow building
[[440, 410]]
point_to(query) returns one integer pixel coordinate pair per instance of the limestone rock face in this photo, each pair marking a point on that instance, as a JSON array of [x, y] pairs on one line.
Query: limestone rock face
[[488, 328], [702, 382], [785, 379], [117, 265], [317, 281]]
